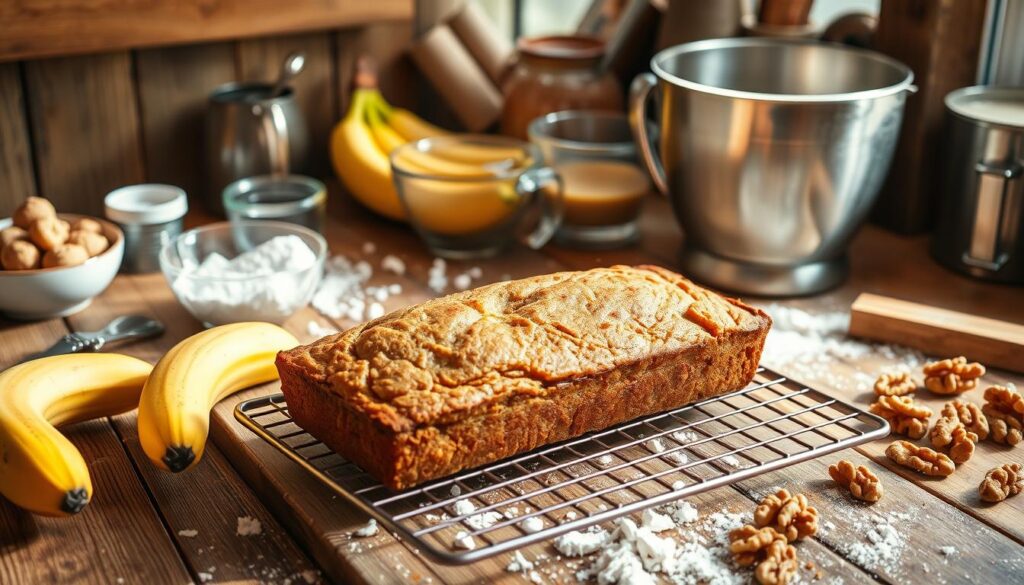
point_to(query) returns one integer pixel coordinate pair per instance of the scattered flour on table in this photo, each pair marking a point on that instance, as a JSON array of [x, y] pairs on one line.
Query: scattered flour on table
[[655, 445], [248, 526], [806, 345], [205, 577], [883, 542], [344, 293], [644, 554], [519, 564], [188, 533], [315, 329], [218, 290], [370, 529], [532, 524]]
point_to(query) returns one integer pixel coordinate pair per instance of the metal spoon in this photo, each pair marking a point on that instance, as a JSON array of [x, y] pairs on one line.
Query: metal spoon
[[120, 329], [291, 67]]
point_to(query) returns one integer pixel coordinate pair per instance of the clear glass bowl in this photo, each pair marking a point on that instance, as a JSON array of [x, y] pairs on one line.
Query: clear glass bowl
[[216, 275]]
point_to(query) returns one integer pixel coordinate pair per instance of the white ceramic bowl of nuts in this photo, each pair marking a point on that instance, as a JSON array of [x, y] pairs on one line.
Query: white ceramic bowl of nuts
[[54, 264]]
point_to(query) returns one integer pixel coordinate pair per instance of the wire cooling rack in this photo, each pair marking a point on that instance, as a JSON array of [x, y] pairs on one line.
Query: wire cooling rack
[[772, 423]]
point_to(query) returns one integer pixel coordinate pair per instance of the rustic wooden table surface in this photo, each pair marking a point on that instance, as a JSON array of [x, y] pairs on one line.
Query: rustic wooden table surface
[[147, 526]]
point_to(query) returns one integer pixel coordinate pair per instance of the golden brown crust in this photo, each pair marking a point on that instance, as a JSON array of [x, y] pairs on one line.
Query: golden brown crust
[[478, 376]]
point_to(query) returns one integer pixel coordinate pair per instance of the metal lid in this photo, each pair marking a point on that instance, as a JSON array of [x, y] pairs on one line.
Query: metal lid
[[1000, 106], [146, 204]]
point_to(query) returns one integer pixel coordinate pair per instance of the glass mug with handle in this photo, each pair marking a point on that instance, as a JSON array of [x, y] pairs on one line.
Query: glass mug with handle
[[470, 196]]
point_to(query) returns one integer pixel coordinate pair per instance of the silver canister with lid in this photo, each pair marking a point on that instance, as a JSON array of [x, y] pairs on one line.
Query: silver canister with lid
[[980, 224], [150, 216]]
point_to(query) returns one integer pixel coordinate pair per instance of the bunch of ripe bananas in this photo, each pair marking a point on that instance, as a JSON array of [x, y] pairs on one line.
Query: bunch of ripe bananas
[[362, 143], [42, 471]]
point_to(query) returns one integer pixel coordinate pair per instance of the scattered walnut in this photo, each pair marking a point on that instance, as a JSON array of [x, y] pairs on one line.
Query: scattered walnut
[[905, 416], [898, 384], [968, 413], [1003, 408], [747, 542], [1006, 428], [1005, 399], [962, 446], [861, 482], [788, 513], [779, 565], [921, 459], [32, 209], [1001, 483], [942, 432], [775, 557], [952, 376]]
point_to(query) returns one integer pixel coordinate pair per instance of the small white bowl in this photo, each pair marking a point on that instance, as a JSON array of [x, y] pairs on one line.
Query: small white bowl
[[228, 297], [45, 293]]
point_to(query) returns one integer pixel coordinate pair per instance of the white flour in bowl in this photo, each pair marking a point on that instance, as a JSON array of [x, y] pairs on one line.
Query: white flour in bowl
[[267, 283]]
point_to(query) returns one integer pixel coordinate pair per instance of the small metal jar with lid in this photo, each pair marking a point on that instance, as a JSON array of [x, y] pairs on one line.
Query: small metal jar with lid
[[150, 216], [980, 227]]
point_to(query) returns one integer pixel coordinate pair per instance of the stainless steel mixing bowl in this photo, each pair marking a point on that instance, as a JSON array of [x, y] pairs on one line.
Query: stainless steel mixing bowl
[[771, 152]]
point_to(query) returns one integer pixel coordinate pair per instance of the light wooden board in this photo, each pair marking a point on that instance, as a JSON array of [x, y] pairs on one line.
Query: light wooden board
[[938, 331], [17, 178], [40, 28], [85, 128], [315, 88], [173, 88], [286, 485], [119, 535]]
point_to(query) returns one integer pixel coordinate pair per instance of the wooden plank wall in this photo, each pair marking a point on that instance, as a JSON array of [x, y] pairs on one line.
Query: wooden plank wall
[[74, 128]]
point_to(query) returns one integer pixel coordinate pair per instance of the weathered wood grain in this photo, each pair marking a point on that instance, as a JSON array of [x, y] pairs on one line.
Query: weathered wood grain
[[40, 28], [118, 536], [173, 87], [210, 497], [85, 128], [315, 88], [17, 178]]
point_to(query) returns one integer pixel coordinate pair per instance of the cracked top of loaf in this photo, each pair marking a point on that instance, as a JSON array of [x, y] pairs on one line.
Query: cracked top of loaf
[[449, 358]]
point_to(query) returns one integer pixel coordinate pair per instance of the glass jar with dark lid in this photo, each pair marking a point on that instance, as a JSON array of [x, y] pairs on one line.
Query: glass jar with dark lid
[[555, 73]]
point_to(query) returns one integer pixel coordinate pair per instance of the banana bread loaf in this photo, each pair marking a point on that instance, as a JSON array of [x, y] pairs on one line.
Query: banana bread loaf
[[481, 375]]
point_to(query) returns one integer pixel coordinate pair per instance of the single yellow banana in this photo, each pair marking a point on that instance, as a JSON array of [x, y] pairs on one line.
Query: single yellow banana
[[360, 163], [386, 137], [411, 127], [40, 469], [174, 411]]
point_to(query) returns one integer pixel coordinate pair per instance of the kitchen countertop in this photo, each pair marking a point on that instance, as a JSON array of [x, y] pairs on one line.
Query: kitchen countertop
[[148, 526]]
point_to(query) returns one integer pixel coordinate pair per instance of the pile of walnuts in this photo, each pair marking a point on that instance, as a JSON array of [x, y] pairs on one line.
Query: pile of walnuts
[[40, 239]]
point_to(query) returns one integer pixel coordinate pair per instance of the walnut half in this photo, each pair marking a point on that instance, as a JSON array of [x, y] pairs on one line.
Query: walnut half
[[1004, 408], [1002, 482], [906, 417], [862, 483], [789, 514], [895, 384], [774, 556], [952, 375], [968, 413], [952, 433], [920, 459]]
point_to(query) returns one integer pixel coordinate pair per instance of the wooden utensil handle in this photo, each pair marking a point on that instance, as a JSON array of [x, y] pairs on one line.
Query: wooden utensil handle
[[940, 332]]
